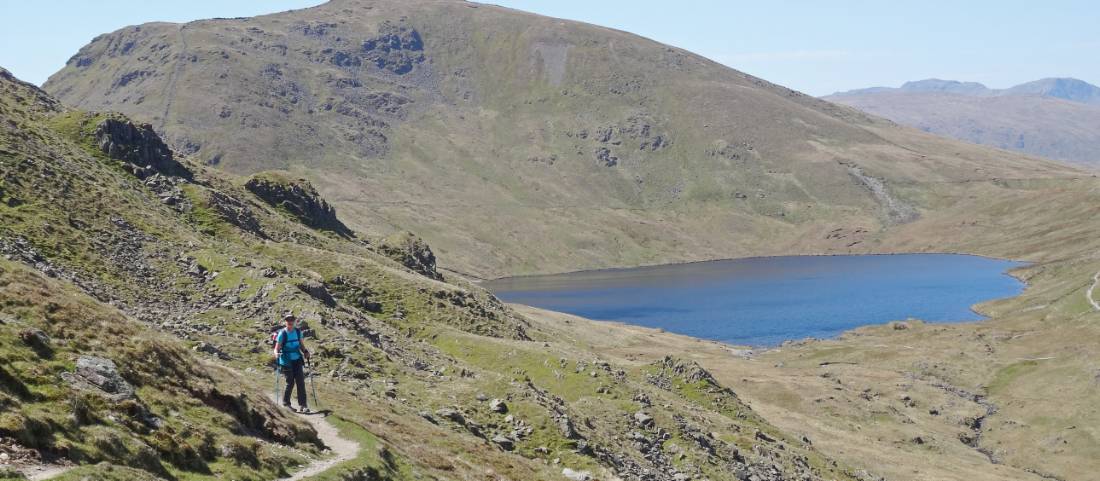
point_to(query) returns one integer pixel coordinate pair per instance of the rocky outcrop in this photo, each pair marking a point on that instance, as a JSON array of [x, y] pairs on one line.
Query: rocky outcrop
[[298, 199], [233, 211], [100, 375], [396, 48], [355, 293], [412, 252], [137, 144], [316, 290]]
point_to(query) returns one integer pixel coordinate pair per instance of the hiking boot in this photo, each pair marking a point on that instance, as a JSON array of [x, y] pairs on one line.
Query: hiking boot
[[288, 406], [304, 410]]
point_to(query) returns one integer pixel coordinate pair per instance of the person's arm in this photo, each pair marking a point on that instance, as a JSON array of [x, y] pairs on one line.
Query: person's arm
[[278, 345]]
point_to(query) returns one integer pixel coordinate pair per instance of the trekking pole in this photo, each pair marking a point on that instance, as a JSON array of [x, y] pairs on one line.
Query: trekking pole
[[276, 391], [313, 387]]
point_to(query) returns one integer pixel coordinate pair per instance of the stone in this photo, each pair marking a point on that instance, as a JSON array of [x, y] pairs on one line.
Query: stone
[[37, 339], [576, 475], [234, 211], [101, 375], [316, 290], [211, 349], [504, 442], [451, 414], [498, 406], [643, 419], [299, 199], [565, 426], [138, 144], [412, 252]]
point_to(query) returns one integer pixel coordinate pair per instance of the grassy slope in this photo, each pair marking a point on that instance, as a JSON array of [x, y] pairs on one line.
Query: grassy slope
[[431, 345], [1033, 362], [496, 149], [202, 431]]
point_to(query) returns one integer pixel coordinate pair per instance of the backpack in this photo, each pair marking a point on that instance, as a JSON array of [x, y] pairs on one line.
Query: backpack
[[292, 348]]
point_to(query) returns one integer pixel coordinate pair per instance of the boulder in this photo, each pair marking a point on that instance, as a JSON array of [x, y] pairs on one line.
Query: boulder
[[506, 443], [498, 406], [211, 349], [101, 375], [138, 144], [37, 340], [643, 419], [565, 425], [451, 414], [316, 290], [412, 252], [297, 198]]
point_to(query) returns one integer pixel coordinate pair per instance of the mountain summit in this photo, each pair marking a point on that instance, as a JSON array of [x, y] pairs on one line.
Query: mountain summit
[[1062, 88], [946, 86]]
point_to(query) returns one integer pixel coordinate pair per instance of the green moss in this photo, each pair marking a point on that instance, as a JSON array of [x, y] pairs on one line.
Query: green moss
[[78, 126]]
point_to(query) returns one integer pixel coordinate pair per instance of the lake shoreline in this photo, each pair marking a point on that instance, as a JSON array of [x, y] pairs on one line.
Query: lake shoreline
[[882, 291], [482, 281]]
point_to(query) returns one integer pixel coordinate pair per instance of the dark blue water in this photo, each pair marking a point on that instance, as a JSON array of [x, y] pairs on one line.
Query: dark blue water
[[764, 301]]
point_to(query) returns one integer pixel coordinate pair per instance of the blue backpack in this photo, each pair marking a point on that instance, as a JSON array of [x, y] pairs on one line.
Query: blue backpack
[[292, 346]]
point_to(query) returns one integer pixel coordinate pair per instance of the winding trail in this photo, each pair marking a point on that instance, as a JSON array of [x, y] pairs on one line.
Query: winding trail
[[1088, 293], [344, 449]]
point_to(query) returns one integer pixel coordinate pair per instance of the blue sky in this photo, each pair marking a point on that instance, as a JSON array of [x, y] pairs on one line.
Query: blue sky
[[814, 46]]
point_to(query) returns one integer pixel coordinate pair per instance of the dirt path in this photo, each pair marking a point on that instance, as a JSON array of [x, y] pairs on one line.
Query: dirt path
[[40, 473], [1088, 293], [344, 449]]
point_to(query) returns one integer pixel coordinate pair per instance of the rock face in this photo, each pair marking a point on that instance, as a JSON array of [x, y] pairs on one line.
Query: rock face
[[124, 140], [100, 374], [299, 199], [412, 252], [396, 48], [316, 290]]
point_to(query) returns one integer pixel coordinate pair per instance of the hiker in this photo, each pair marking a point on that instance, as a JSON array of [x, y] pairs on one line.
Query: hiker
[[289, 352]]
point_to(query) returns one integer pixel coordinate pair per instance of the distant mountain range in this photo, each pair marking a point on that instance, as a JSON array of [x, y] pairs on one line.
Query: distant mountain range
[[1057, 118]]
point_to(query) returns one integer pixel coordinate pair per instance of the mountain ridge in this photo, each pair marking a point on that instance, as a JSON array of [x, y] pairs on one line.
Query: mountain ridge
[[1065, 88], [1055, 117], [555, 145]]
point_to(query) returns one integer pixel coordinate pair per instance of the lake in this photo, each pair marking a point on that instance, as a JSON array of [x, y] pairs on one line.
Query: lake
[[766, 300]]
